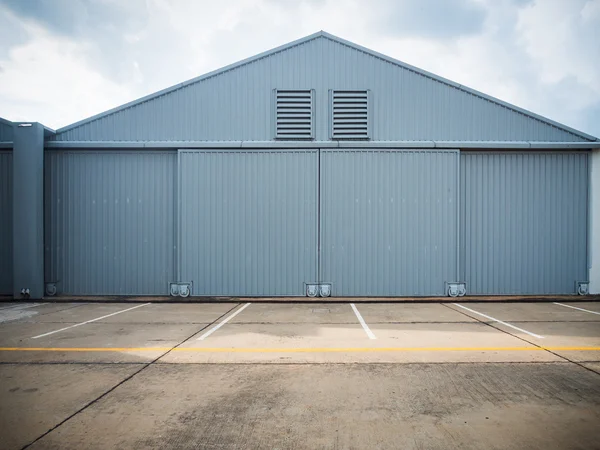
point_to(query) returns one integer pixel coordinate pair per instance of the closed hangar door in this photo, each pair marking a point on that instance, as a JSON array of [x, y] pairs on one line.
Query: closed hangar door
[[248, 221], [109, 221], [524, 218], [389, 221]]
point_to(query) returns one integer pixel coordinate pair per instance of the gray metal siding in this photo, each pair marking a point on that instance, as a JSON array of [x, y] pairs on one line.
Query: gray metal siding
[[236, 105], [110, 221], [6, 242], [248, 221], [389, 221], [524, 218], [6, 131]]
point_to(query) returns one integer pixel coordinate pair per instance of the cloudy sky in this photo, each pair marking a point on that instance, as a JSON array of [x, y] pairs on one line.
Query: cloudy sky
[[64, 60]]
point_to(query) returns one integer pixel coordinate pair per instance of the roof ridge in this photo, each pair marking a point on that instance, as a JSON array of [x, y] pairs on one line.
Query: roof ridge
[[331, 37], [461, 87]]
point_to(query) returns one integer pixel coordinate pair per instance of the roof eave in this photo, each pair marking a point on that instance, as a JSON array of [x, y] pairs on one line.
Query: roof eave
[[482, 145]]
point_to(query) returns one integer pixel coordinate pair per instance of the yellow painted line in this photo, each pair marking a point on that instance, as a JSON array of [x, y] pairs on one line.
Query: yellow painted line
[[85, 349], [294, 350]]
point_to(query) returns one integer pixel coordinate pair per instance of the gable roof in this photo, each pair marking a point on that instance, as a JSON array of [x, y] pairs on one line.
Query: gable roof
[[324, 35]]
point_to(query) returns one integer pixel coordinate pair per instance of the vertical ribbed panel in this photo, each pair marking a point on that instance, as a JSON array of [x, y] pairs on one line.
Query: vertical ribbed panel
[[248, 221], [6, 241], [6, 131], [237, 104], [110, 221], [524, 222], [388, 221]]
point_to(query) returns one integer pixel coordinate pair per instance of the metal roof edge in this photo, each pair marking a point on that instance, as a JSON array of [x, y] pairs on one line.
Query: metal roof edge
[[197, 79], [460, 86], [323, 144], [341, 41], [8, 122], [5, 121]]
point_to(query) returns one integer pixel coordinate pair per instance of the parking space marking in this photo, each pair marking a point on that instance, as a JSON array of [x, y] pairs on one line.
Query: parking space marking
[[223, 322], [297, 350], [19, 307], [88, 321], [575, 307], [363, 323], [499, 321]]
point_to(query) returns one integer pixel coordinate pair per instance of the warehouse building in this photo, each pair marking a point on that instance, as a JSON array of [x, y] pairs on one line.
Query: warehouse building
[[318, 168]]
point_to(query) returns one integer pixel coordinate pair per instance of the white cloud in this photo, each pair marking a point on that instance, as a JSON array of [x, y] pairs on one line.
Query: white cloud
[[563, 40], [46, 79]]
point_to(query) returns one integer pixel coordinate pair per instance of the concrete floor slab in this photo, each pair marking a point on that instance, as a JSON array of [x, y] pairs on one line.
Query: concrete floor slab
[[5, 305], [199, 313], [332, 343], [311, 313], [437, 406], [87, 312], [484, 343], [32, 311], [406, 313], [35, 398], [144, 343], [444, 388], [565, 334], [589, 306], [595, 366], [529, 312]]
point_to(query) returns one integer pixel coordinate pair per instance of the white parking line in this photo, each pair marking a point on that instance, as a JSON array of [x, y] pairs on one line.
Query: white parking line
[[22, 306], [499, 321], [580, 309], [89, 321], [363, 323], [223, 322]]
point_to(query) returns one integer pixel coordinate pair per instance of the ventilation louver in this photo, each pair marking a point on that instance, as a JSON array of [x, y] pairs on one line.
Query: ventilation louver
[[294, 114], [350, 115]]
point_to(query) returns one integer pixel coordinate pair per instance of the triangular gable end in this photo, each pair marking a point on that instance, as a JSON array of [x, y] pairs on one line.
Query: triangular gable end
[[235, 103]]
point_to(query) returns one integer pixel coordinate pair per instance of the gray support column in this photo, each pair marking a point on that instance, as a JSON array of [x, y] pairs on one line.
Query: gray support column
[[594, 223], [28, 209]]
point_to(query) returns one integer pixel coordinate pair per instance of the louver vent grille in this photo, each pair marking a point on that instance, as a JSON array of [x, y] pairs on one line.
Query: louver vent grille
[[294, 117], [350, 115]]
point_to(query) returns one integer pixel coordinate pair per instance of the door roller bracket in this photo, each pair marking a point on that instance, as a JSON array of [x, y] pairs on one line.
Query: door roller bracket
[[456, 288], [180, 288]]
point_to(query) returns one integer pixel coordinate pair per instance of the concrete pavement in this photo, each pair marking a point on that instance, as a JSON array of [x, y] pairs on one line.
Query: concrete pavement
[[518, 375]]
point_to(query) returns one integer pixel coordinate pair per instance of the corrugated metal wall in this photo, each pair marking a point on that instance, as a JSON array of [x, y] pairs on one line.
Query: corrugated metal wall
[[524, 218], [6, 131], [389, 221], [6, 260], [110, 221], [237, 104], [248, 221]]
